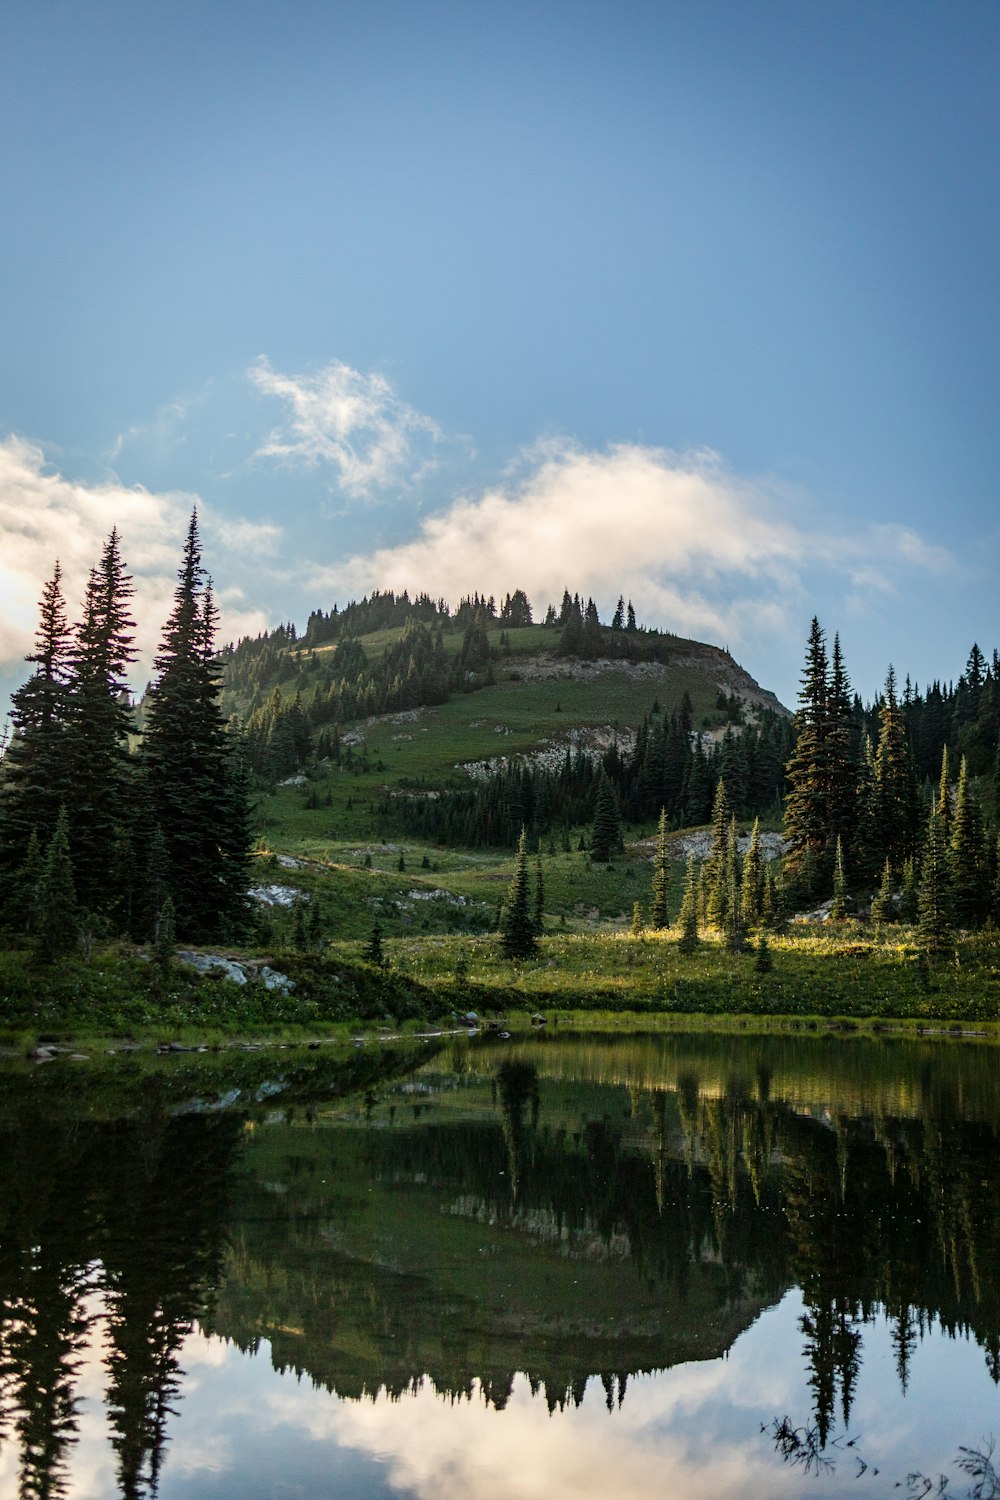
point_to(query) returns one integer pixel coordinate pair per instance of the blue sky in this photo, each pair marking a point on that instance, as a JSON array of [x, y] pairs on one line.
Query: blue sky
[[695, 302]]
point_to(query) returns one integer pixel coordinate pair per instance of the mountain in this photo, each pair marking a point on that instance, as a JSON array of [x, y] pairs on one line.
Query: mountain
[[402, 740]]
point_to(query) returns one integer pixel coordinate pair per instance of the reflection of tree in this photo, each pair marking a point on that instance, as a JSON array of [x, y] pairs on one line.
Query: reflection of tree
[[133, 1212], [43, 1318], [517, 1088], [164, 1222], [48, 1330]]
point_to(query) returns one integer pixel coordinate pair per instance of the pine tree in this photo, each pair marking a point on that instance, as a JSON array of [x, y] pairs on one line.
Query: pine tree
[[539, 920], [713, 873], [944, 797], [752, 884], [637, 924], [58, 921], [807, 806], [659, 917], [867, 841], [517, 933], [373, 950], [25, 900], [883, 904], [35, 766], [734, 928], [688, 916], [935, 916], [967, 869], [841, 752], [838, 911], [764, 962], [99, 727], [195, 784], [908, 903], [898, 802], [163, 939], [606, 835]]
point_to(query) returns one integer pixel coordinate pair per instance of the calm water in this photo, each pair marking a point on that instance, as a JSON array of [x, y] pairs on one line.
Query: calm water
[[691, 1266]]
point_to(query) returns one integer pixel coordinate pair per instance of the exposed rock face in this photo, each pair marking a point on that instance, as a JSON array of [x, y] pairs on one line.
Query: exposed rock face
[[275, 895], [216, 963]]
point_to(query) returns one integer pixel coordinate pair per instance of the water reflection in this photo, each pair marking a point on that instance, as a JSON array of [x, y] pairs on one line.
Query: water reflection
[[498, 1228]]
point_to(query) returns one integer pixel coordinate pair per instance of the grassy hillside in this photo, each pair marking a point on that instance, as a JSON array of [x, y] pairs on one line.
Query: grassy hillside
[[334, 817]]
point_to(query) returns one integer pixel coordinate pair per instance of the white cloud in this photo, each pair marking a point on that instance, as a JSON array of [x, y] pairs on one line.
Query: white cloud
[[700, 550], [45, 516], [354, 423]]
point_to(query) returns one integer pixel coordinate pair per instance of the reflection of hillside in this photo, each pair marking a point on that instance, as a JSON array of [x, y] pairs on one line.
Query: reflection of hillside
[[439, 1272], [519, 1224], [852, 1075], [471, 1221]]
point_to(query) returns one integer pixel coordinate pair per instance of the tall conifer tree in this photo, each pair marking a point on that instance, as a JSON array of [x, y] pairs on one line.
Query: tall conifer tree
[[934, 897], [606, 837], [807, 806], [967, 868], [36, 767], [688, 916], [713, 871], [100, 724], [517, 930], [196, 795], [898, 802], [659, 916]]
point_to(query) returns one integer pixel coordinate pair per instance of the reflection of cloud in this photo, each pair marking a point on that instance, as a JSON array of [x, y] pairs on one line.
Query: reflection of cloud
[[355, 423], [45, 517], [698, 548], [650, 1446]]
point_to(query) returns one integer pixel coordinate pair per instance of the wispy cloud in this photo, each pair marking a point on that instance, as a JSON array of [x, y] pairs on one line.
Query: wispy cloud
[[701, 550], [45, 516], [352, 422]]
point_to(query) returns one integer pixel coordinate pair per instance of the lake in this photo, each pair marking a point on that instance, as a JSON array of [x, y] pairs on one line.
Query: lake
[[547, 1266]]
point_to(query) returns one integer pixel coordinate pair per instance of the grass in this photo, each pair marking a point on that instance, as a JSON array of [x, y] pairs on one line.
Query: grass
[[820, 977]]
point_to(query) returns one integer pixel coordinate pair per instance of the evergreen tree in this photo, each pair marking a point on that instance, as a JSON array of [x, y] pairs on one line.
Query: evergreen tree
[[734, 927], [195, 785], [659, 916], [713, 873], [688, 916], [35, 766], [908, 903], [99, 727], [373, 951], [606, 835], [637, 924], [838, 911], [968, 872], [163, 946], [883, 904], [752, 884], [867, 841], [764, 962], [841, 752], [944, 797], [517, 932], [898, 802], [539, 922], [935, 916], [58, 921], [26, 890], [807, 806]]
